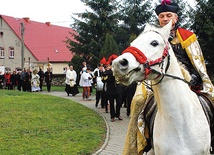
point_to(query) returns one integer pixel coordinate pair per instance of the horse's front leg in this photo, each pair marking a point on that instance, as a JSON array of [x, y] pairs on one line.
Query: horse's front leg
[[151, 152]]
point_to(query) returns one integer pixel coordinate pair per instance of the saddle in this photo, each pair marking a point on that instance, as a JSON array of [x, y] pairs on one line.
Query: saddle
[[151, 110]]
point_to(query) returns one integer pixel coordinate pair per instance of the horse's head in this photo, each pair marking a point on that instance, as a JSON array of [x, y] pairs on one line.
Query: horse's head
[[146, 52]]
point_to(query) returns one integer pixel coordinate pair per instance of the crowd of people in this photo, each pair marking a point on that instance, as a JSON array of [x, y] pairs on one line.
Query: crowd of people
[[109, 94], [26, 80]]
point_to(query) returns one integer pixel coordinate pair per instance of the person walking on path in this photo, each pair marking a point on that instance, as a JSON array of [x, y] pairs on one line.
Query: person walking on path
[[98, 72], [70, 81], [85, 83], [113, 91]]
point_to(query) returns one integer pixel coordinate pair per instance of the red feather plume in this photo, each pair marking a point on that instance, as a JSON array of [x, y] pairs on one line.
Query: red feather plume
[[112, 57], [103, 61], [166, 2]]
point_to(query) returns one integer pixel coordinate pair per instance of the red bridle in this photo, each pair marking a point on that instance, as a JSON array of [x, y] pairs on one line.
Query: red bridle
[[141, 58]]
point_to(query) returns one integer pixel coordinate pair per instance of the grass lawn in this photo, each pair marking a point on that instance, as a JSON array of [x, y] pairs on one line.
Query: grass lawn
[[33, 123]]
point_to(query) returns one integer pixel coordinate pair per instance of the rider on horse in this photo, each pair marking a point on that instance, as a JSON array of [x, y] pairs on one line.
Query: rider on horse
[[188, 52], [186, 48]]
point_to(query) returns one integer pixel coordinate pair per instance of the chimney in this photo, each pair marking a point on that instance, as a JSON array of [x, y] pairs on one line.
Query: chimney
[[27, 19], [48, 23]]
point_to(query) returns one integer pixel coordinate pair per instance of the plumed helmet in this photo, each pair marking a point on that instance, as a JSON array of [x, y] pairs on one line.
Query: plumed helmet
[[167, 6], [111, 58], [103, 61]]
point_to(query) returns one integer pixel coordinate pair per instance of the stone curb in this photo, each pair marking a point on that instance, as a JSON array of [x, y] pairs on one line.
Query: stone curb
[[107, 135]]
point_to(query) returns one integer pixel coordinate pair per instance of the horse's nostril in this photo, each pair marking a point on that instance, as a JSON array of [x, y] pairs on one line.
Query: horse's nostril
[[124, 62]]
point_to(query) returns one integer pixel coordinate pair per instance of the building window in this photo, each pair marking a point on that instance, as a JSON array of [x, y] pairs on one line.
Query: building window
[[1, 52], [11, 51]]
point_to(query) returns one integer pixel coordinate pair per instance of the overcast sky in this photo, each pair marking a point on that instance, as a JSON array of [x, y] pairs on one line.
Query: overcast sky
[[58, 12]]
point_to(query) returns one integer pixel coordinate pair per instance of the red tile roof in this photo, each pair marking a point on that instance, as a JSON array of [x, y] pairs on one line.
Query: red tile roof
[[43, 39]]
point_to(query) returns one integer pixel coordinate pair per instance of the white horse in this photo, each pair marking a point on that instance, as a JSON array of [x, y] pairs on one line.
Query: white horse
[[180, 125]]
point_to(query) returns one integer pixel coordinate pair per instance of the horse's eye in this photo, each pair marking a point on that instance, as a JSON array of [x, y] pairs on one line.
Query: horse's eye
[[154, 43]]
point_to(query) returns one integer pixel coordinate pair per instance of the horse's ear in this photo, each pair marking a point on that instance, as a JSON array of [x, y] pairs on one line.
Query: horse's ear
[[167, 29]]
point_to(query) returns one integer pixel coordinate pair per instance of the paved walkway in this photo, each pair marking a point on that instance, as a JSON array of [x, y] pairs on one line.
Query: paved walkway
[[116, 131]]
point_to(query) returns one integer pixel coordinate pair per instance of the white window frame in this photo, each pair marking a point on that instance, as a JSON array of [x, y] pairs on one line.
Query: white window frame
[[2, 53], [11, 52]]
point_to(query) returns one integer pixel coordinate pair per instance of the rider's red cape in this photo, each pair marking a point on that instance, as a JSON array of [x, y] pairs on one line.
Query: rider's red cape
[[185, 37]]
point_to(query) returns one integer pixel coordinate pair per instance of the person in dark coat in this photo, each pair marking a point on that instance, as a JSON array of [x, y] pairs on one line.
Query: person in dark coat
[[104, 95], [48, 78], [28, 76], [13, 79], [19, 80], [24, 88], [41, 78], [113, 90], [98, 73]]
